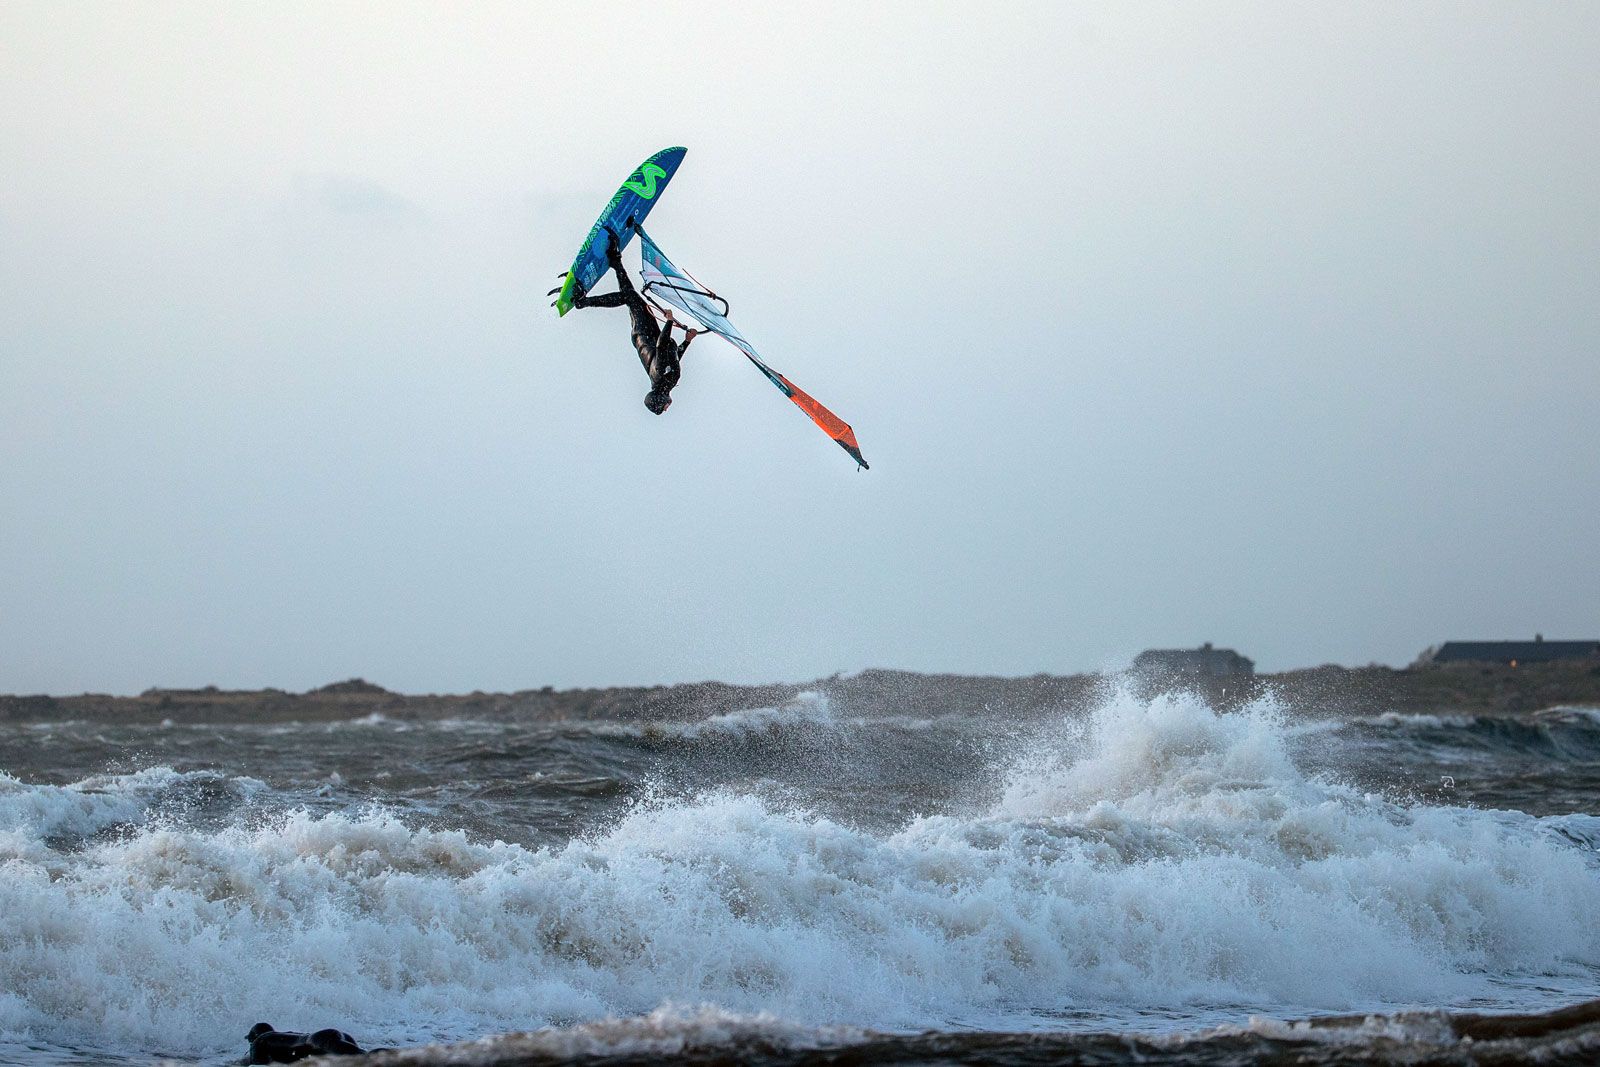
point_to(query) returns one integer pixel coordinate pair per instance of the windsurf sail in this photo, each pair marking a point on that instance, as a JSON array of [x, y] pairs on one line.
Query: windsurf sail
[[665, 282]]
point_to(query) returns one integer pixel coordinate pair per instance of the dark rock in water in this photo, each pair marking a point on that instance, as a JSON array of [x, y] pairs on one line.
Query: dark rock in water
[[273, 1046]]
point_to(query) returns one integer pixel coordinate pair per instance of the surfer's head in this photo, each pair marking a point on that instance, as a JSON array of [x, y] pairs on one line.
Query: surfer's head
[[658, 400]]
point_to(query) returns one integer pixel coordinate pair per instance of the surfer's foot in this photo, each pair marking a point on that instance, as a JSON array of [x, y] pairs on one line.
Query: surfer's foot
[[579, 297], [577, 291]]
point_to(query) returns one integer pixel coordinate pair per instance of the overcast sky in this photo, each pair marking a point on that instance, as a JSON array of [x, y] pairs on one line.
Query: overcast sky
[[1271, 325]]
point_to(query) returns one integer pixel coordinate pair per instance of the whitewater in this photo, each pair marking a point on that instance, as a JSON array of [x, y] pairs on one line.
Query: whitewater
[[1156, 867]]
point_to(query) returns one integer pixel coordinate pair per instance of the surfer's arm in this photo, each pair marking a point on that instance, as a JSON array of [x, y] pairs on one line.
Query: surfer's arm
[[665, 348]]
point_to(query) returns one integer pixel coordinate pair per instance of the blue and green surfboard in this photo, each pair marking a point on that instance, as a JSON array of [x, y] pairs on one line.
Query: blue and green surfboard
[[632, 202]]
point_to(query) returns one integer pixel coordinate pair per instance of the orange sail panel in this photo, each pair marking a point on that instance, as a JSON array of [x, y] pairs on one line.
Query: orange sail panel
[[831, 424]]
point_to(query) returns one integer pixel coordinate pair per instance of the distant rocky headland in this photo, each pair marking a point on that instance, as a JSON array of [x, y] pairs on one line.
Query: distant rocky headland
[[1320, 691]]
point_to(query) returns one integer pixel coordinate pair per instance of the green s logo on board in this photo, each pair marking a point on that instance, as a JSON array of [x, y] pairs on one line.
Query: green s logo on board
[[647, 188]]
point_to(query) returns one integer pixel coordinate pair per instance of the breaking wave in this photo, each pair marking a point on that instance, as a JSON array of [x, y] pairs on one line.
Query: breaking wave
[[1157, 857]]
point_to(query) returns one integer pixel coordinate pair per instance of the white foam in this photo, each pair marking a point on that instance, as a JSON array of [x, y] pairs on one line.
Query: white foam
[[1425, 720], [1158, 856], [808, 712], [1563, 713], [805, 710], [98, 803]]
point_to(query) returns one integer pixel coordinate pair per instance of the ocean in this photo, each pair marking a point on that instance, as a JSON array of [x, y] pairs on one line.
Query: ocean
[[1155, 880]]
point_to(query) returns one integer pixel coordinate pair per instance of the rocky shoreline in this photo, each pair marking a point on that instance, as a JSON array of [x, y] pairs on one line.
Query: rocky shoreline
[[1321, 691]]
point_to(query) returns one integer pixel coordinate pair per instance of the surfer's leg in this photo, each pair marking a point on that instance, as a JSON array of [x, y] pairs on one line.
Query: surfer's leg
[[604, 300], [624, 283], [644, 323]]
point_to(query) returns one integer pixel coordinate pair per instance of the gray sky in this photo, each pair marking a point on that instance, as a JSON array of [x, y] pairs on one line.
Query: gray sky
[[1274, 325]]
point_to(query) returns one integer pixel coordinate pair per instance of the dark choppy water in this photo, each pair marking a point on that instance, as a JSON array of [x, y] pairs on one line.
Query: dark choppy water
[[795, 883]]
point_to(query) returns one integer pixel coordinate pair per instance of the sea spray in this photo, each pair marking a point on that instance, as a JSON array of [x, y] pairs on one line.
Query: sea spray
[[1158, 859]]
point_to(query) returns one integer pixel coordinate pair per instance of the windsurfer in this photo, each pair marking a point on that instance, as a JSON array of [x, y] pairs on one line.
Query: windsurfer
[[661, 355]]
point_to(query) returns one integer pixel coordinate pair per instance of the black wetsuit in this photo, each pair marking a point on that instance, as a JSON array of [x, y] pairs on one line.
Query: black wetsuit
[[658, 352]]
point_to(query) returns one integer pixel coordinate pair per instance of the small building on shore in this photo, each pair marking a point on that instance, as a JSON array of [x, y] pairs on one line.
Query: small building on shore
[[1202, 662], [1509, 653]]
